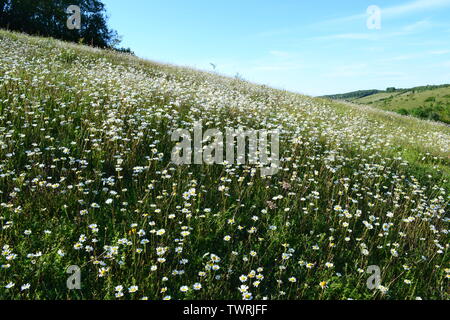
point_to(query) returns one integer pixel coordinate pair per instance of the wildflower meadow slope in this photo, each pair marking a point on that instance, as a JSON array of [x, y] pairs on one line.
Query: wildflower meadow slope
[[86, 180]]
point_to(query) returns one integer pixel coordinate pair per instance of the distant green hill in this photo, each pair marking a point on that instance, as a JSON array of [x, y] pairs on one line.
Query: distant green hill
[[425, 102], [353, 95]]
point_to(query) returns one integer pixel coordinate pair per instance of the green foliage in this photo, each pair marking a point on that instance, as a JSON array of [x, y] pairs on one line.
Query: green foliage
[[427, 113], [403, 112], [48, 18]]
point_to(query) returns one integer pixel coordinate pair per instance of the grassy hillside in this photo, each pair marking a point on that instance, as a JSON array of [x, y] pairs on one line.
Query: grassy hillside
[[86, 180], [428, 102]]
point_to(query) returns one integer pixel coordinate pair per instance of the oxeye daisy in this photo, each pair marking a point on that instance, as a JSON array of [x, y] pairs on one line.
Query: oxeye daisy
[[133, 289], [243, 288], [25, 287], [10, 285], [247, 296], [197, 286], [184, 288], [102, 272]]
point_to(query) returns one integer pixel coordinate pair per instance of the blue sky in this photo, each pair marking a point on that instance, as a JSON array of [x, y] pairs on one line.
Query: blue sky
[[313, 47]]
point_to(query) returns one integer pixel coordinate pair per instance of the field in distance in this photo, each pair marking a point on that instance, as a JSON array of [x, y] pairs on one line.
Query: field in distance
[[426, 102]]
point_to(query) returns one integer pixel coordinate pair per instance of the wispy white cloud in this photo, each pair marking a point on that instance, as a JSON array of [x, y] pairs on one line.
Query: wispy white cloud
[[414, 56], [402, 58], [278, 60], [387, 13], [395, 11], [366, 73], [419, 25], [413, 28], [348, 36], [280, 54], [352, 70], [439, 52], [361, 36], [275, 32], [414, 6], [280, 66]]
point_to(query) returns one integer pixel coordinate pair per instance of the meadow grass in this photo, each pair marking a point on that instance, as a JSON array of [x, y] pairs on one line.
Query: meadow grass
[[86, 180]]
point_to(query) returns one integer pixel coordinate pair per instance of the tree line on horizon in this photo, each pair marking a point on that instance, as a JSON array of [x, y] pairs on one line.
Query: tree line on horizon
[[354, 95]]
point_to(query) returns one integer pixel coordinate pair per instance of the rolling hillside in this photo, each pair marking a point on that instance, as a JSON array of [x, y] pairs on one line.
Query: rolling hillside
[[428, 102], [86, 180]]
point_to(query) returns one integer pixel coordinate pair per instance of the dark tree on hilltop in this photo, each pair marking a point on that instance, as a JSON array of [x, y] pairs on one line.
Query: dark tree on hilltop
[[49, 18]]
